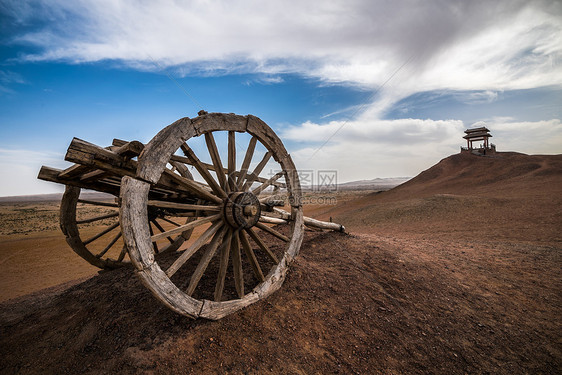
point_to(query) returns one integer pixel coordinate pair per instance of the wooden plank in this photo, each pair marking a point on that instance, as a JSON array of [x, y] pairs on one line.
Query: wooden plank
[[85, 153], [130, 149], [183, 206], [74, 170], [52, 175], [118, 142]]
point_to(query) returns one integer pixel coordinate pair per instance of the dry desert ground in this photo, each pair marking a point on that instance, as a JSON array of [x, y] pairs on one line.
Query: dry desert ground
[[456, 271]]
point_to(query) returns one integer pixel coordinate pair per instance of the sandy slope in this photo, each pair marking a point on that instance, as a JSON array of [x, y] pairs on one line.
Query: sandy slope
[[457, 271]]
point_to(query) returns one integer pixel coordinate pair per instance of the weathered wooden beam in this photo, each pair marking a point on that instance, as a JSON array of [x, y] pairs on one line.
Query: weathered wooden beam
[[74, 170], [130, 149], [52, 175], [310, 222], [183, 206], [86, 153]]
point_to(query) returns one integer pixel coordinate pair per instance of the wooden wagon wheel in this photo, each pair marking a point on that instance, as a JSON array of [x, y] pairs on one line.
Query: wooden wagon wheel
[[93, 231], [238, 258]]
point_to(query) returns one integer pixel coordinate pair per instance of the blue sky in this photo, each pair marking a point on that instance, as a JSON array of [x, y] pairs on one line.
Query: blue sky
[[396, 82]]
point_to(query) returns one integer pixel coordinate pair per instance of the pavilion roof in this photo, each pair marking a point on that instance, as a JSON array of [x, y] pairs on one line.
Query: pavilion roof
[[480, 135], [474, 130]]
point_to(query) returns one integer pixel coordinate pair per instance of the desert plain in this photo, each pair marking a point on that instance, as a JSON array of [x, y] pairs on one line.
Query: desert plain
[[459, 270]]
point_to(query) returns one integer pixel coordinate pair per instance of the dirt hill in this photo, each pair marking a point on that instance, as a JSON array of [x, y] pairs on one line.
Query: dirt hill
[[457, 271], [507, 196]]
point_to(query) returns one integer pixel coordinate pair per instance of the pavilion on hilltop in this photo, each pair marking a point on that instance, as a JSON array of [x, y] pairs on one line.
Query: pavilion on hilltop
[[475, 135]]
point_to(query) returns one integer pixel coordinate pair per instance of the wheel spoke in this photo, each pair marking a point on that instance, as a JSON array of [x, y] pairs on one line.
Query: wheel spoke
[[251, 256], [204, 262], [102, 253], [170, 221], [154, 244], [215, 157], [162, 230], [231, 160], [223, 264], [247, 161], [184, 257], [193, 187], [266, 184], [122, 253], [181, 168], [237, 264], [262, 245], [92, 219], [185, 227], [256, 173], [96, 203], [203, 171], [103, 232], [272, 231]]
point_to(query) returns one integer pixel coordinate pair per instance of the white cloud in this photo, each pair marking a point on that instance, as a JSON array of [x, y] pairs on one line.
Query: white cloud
[[455, 45], [369, 148], [539, 137], [389, 148]]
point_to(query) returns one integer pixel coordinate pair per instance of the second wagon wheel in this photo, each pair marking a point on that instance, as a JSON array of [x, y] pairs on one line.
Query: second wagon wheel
[[238, 257], [93, 231]]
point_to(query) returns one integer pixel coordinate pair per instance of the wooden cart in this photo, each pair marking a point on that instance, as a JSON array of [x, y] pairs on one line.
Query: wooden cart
[[245, 240]]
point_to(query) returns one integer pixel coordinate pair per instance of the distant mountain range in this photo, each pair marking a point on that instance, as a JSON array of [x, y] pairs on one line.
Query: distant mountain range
[[53, 197], [374, 184]]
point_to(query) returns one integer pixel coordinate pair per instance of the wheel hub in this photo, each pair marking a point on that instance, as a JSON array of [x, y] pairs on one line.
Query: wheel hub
[[242, 210]]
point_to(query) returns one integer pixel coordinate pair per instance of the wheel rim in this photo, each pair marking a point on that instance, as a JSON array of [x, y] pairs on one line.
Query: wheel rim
[[93, 231], [238, 251]]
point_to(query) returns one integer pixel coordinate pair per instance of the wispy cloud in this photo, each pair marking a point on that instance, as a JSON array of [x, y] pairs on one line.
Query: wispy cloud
[[265, 80], [9, 79]]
